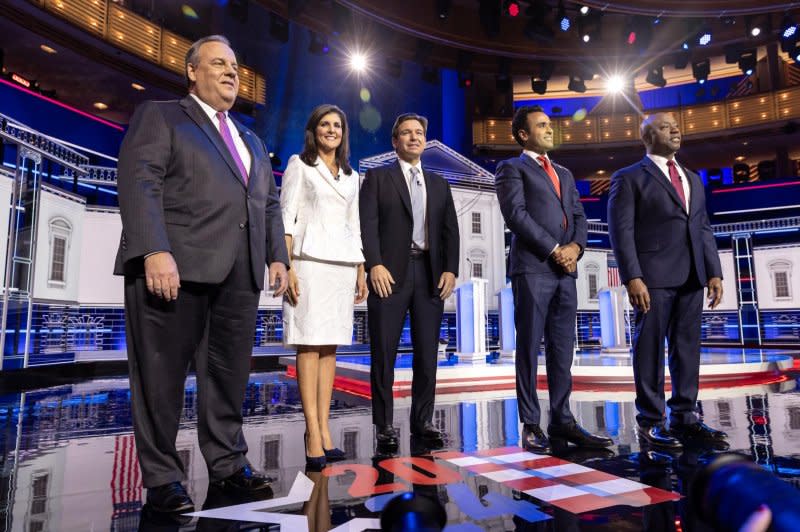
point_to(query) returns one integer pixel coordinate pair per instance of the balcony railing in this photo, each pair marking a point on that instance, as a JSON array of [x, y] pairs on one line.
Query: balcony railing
[[784, 104]]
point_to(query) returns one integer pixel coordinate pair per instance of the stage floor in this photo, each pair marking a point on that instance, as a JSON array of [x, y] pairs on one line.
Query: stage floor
[[68, 461]]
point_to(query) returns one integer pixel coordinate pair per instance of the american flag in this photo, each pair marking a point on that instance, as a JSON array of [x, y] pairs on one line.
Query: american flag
[[599, 185], [126, 479], [613, 270], [571, 487]]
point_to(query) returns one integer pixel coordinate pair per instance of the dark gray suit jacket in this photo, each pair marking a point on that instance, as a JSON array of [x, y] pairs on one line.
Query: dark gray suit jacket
[[180, 191], [535, 215]]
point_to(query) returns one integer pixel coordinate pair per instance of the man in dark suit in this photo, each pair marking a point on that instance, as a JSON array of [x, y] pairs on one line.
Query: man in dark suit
[[409, 231], [659, 229], [541, 207], [200, 219]]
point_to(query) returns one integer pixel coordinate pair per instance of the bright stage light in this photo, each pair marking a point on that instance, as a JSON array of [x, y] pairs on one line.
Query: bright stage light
[[358, 62], [615, 84]]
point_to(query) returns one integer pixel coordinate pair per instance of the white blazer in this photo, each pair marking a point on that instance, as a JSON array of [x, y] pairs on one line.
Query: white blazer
[[321, 213]]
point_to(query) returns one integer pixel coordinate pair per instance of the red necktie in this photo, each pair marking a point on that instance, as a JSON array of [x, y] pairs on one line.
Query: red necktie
[[675, 179], [554, 179], [552, 173]]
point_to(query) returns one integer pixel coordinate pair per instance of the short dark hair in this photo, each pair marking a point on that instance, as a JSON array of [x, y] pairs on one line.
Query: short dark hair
[[520, 121], [310, 148], [193, 53], [406, 117]]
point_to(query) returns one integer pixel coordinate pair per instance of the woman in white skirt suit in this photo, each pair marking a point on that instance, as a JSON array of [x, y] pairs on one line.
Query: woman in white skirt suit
[[319, 198]]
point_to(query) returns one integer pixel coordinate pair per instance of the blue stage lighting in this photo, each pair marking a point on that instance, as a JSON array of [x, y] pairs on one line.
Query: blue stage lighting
[[789, 31], [564, 24], [704, 38]]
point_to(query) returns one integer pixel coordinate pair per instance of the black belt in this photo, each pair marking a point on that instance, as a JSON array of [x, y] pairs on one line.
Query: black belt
[[417, 253]]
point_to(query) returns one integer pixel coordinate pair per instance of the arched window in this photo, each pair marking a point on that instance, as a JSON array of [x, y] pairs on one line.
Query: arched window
[[477, 261], [592, 272], [60, 232], [780, 271]]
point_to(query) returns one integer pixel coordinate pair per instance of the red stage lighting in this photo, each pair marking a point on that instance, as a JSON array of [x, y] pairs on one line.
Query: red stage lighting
[[513, 8]]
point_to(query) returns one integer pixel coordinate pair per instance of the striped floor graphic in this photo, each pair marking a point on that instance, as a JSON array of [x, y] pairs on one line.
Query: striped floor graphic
[[557, 482]]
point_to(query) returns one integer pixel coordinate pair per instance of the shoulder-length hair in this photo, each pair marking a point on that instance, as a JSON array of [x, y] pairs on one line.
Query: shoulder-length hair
[[310, 148]]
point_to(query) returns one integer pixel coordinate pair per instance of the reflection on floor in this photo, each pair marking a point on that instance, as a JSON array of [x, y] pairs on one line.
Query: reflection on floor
[[67, 462]]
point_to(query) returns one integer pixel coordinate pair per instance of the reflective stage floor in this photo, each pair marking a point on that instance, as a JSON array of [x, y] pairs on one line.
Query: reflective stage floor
[[68, 463]]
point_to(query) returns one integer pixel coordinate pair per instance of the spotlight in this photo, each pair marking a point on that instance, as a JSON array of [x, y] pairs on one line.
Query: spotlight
[[754, 28], [638, 31], [563, 20], [732, 53], [512, 8], [747, 62], [465, 79], [576, 84], [788, 27], [318, 44], [615, 84], [538, 30], [795, 53], [279, 28], [655, 76], [789, 33], [275, 160], [502, 83], [443, 8], [584, 10], [539, 86], [704, 37], [394, 67], [358, 62], [546, 69], [681, 60], [489, 13], [701, 70]]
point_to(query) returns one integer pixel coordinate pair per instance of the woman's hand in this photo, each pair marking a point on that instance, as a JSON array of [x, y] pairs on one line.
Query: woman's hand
[[361, 285], [293, 292]]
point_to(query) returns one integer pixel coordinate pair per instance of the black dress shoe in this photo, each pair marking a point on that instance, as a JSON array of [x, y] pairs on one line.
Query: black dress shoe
[[169, 498], [658, 436], [386, 436], [697, 431], [534, 439], [427, 432], [246, 481], [560, 435], [334, 455]]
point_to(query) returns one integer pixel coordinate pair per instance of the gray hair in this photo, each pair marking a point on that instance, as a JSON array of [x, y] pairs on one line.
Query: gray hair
[[193, 54]]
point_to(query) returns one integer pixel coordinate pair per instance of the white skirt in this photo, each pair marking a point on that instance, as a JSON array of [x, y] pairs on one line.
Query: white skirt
[[324, 311]]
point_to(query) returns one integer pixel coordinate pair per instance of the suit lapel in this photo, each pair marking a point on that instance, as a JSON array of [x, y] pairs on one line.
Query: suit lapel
[[196, 113], [658, 176], [327, 176], [538, 170], [399, 180]]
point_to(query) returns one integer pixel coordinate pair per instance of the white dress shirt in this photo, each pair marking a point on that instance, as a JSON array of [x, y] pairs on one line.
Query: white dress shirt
[[241, 147], [661, 162], [406, 168], [535, 156]]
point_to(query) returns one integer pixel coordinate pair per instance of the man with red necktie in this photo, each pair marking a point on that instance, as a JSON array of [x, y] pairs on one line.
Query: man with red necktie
[[200, 220], [665, 249], [541, 207]]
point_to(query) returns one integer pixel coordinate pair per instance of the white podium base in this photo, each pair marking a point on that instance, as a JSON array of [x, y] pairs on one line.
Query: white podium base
[[616, 351], [508, 356], [472, 359]]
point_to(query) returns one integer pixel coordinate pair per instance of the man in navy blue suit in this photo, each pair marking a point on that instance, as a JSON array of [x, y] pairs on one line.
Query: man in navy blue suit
[[541, 207], [659, 229]]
